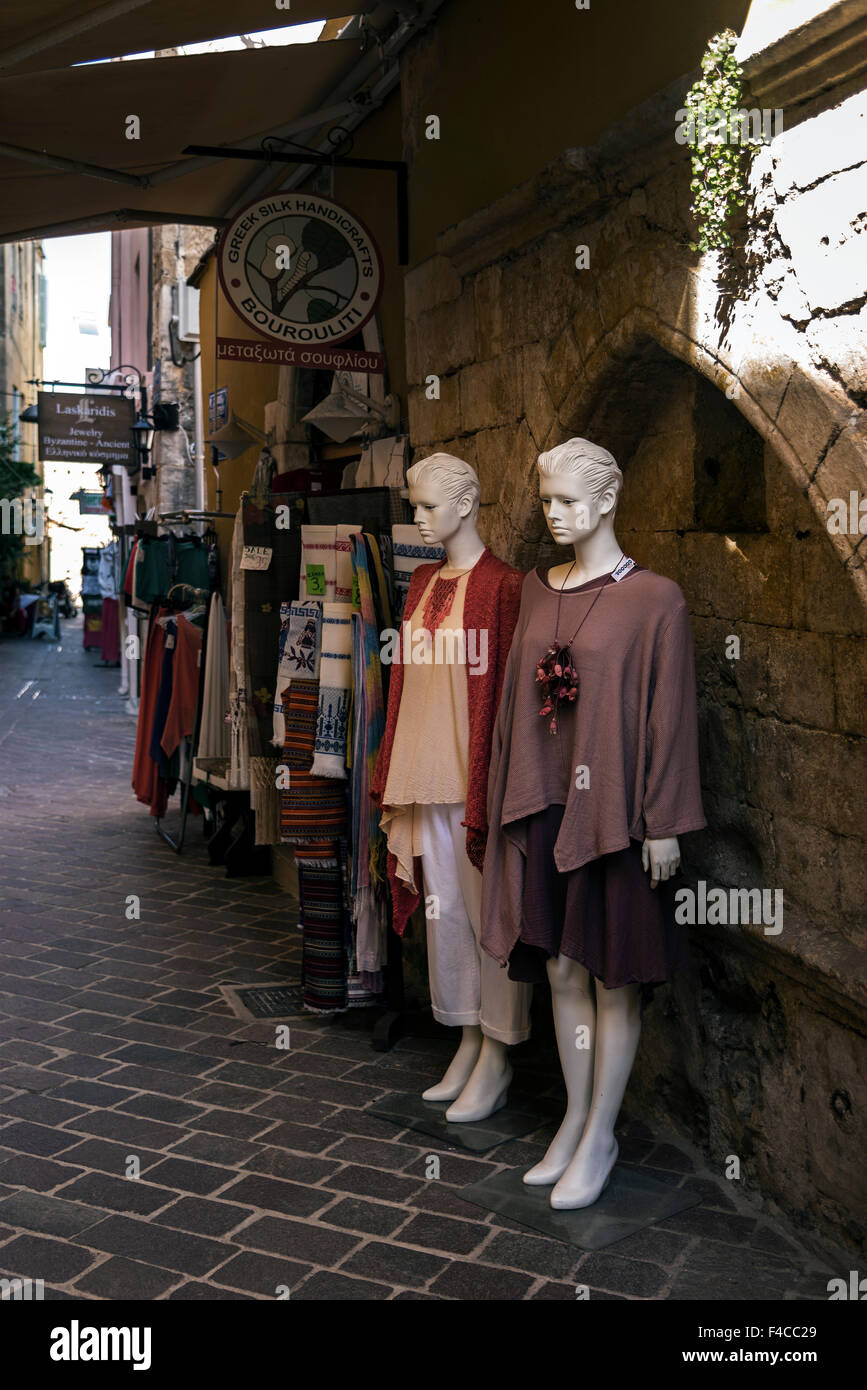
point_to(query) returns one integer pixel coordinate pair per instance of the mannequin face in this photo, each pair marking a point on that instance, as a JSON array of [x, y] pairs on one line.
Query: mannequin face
[[436, 516], [571, 511]]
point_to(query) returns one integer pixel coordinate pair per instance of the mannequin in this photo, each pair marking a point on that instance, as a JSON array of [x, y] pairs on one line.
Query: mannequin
[[587, 832], [431, 779]]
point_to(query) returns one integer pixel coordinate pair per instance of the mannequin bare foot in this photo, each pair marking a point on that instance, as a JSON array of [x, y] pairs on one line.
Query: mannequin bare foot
[[487, 1089], [560, 1153], [460, 1068], [588, 1174]]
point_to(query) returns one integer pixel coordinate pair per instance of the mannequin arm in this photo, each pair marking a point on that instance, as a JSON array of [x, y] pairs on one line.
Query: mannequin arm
[[662, 857]]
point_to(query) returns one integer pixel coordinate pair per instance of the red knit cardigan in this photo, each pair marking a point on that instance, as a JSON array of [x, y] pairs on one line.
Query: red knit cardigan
[[491, 603]]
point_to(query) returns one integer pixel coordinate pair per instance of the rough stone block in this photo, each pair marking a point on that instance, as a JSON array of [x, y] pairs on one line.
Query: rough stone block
[[809, 774], [808, 868], [850, 685], [434, 419], [813, 410], [445, 337], [434, 281], [787, 509], [824, 598], [800, 681], [491, 392], [745, 579], [538, 408], [495, 459]]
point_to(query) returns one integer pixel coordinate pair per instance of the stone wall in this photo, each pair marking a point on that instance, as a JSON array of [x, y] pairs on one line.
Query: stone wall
[[176, 251], [731, 393]]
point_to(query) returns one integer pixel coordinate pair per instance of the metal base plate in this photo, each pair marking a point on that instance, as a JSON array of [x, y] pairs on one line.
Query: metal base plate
[[428, 1117], [630, 1202]]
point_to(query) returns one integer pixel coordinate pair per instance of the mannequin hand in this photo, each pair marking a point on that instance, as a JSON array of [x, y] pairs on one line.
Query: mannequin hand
[[662, 857]]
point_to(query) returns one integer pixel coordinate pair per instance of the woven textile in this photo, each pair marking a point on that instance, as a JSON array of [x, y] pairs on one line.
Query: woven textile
[[335, 684], [408, 552], [312, 808], [318, 562], [298, 647], [323, 969], [343, 573], [367, 574]]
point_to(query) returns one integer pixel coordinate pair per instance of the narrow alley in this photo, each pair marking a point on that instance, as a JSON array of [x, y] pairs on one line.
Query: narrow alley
[[261, 1170]]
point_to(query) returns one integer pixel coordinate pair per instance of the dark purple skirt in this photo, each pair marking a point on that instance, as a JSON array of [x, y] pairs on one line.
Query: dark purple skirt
[[604, 915]]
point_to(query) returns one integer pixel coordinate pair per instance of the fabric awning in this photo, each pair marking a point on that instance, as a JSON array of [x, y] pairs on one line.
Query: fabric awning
[[80, 114], [41, 34]]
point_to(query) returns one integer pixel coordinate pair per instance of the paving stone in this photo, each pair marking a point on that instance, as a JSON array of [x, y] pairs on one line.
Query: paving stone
[[392, 1264], [272, 1194], [33, 1257], [188, 1176], [550, 1258], [117, 1194], [298, 1240], [161, 1108], [217, 1148], [37, 1174], [373, 1218], [441, 1233], [303, 1137], [329, 1287], [476, 1282], [51, 1216], [42, 1109], [164, 1059], [32, 1052], [204, 1217], [92, 1093], [194, 1292], [119, 1279], [242, 1074], [261, 1274], [127, 1129], [108, 1157], [374, 1182], [713, 1224], [234, 1123], [163, 1082], [155, 1244], [620, 1275], [85, 1066], [36, 1139], [295, 1167], [27, 1078], [375, 1152]]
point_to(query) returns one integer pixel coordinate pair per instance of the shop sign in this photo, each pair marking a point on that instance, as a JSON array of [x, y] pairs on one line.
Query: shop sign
[[85, 429], [218, 408], [89, 503], [300, 269], [332, 359]]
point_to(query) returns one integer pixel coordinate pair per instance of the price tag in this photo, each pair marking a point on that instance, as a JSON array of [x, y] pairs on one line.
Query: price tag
[[356, 592], [256, 557], [315, 580]]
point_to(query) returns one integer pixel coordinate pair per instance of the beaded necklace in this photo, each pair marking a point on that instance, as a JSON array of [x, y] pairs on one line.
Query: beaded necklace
[[555, 671]]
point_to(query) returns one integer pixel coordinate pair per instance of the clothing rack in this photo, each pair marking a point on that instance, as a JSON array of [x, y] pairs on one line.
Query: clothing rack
[[177, 845]]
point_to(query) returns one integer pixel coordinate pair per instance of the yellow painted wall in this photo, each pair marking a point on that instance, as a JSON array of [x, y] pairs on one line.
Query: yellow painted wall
[[515, 83]]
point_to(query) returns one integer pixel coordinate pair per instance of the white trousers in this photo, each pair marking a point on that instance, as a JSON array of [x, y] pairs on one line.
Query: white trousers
[[467, 985]]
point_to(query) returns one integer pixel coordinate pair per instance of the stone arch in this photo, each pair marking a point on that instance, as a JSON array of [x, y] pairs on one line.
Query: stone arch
[[576, 375]]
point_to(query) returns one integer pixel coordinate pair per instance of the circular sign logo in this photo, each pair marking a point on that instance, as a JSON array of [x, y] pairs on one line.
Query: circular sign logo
[[300, 268]]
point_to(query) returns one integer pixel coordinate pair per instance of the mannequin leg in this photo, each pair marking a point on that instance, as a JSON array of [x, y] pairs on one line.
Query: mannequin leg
[[460, 1068], [574, 1008], [504, 1012], [453, 967], [618, 1027]]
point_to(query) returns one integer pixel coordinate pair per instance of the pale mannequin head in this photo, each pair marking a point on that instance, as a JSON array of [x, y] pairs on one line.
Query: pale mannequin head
[[444, 493], [579, 484]]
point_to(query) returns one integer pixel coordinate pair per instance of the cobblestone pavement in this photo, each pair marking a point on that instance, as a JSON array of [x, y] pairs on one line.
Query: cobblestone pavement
[[259, 1168]]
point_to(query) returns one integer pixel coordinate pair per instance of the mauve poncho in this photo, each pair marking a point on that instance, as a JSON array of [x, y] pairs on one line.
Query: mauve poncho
[[633, 727]]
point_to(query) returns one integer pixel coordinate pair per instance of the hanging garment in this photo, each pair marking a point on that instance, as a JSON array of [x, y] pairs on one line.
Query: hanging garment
[[321, 918], [312, 808], [106, 576], [408, 552], [298, 654], [147, 784], [318, 562], [382, 463], [239, 770], [153, 571], [181, 716], [214, 731], [343, 572], [109, 634], [335, 685]]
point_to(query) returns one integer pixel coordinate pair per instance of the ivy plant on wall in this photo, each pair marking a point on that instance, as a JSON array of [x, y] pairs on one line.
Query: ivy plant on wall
[[721, 135]]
